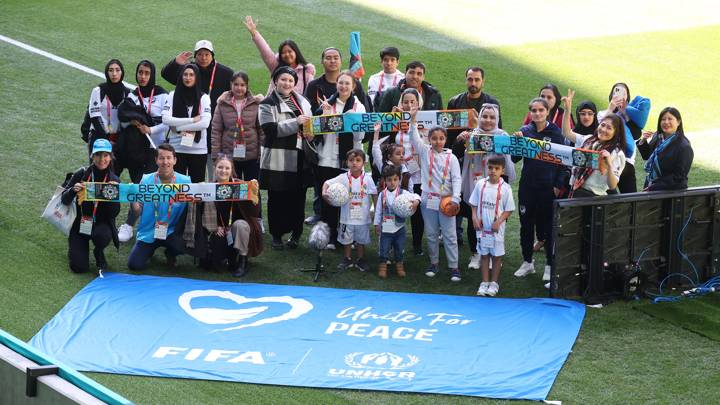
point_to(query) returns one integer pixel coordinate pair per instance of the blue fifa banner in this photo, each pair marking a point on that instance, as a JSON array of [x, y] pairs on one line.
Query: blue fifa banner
[[314, 337]]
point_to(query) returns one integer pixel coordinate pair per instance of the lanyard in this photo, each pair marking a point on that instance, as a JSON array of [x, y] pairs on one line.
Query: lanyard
[[109, 113], [212, 78], [91, 178], [430, 171], [152, 95], [362, 181], [170, 204], [239, 121], [497, 199], [397, 192], [296, 104], [382, 78], [412, 148], [222, 223]]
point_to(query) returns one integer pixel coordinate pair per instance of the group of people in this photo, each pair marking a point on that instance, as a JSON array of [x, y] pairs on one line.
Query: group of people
[[211, 120]]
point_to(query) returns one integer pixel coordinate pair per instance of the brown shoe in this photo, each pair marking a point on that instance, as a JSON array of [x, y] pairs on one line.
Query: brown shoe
[[382, 270], [400, 268]]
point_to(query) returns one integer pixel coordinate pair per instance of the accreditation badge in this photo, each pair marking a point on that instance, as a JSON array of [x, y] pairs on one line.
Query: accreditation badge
[[389, 225], [229, 236], [433, 202], [86, 224], [356, 211], [161, 230], [239, 150], [487, 239], [187, 139]]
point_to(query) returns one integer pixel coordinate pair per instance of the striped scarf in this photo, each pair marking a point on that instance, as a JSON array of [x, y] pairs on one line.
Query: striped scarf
[[652, 166]]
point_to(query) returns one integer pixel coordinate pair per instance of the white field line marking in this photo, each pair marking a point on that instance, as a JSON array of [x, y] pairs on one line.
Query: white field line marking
[[301, 361], [57, 58]]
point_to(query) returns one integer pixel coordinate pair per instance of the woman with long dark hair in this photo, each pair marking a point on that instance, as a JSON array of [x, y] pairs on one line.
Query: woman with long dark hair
[[667, 152], [288, 54], [609, 140], [551, 94], [187, 113], [95, 220]]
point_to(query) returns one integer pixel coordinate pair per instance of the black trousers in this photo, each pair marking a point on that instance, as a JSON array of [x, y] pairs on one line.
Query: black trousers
[[328, 214], [418, 225], [79, 246], [192, 165], [142, 252], [286, 212], [536, 204], [466, 212], [627, 182]]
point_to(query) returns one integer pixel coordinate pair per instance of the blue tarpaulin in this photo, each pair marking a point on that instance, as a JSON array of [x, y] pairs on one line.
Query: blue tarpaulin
[[314, 337]]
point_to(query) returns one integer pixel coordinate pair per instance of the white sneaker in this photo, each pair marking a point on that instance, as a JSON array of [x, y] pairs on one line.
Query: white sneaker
[[262, 226], [493, 289], [483, 289], [474, 262], [547, 286], [546, 274], [125, 233], [525, 269], [330, 246]]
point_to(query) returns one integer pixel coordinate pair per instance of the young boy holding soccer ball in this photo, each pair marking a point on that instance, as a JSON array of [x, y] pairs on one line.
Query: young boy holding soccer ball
[[389, 226], [355, 221], [492, 203]]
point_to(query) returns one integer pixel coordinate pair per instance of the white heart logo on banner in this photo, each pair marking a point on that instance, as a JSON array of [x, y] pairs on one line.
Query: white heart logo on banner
[[219, 316]]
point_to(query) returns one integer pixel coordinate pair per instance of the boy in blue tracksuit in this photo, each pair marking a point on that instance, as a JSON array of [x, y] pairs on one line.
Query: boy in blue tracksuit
[[540, 183]]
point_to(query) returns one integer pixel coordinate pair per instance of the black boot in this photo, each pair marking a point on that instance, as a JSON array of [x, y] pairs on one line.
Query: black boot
[[242, 266]]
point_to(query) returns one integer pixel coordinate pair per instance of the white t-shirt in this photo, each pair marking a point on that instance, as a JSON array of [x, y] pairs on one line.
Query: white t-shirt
[[596, 183], [182, 124], [488, 208], [388, 81], [391, 196], [361, 190]]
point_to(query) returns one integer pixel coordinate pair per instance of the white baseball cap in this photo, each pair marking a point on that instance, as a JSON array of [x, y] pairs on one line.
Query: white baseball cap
[[204, 44]]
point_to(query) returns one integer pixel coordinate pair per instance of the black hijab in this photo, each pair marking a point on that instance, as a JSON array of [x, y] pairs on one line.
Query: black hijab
[[116, 92], [185, 97], [579, 127], [147, 90]]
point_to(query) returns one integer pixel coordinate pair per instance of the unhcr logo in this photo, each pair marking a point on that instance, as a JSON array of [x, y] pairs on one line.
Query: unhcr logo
[[374, 366]]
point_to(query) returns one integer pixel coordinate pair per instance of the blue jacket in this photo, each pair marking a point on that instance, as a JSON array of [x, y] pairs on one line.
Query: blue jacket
[[539, 174], [637, 111]]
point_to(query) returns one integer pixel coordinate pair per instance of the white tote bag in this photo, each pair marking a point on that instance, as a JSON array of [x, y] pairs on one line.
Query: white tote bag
[[58, 214]]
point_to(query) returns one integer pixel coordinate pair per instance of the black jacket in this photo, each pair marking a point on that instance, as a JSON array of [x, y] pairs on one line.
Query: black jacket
[[432, 100], [539, 174], [106, 211], [133, 146], [223, 78], [675, 163]]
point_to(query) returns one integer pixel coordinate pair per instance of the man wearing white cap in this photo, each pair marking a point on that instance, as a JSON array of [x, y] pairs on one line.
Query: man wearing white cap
[[214, 77]]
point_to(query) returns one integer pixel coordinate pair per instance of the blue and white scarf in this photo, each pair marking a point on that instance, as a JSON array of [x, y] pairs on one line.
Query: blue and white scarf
[[652, 166]]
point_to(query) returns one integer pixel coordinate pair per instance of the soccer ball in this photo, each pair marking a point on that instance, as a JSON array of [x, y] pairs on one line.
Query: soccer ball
[[403, 205], [338, 195]]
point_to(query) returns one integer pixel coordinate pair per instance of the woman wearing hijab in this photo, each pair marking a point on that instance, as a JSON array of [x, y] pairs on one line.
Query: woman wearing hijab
[[95, 220], [142, 130], [288, 54], [187, 113], [224, 231], [667, 152], [474, 168], [282, 115], [104, 102], [586, 117]]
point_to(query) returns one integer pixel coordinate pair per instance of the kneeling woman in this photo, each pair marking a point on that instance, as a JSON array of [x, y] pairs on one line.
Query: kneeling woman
[[95, 220], [609, 139], [223, 231]]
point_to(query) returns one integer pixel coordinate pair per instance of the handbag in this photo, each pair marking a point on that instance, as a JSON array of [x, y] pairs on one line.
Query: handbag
[[58, 214], [310, 151]]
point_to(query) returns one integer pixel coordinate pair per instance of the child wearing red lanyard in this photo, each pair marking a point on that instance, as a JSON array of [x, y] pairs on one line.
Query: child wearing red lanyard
[[440, 179], [355, 218], [390, 228], [492, 203]]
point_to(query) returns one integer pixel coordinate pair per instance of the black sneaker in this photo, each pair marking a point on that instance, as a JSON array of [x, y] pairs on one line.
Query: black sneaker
[[277, 244], [418, 251], [292, 243], [361, 264], [345, 264]]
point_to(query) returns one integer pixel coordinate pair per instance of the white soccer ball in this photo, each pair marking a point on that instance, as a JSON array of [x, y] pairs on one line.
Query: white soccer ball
[[338, 195], [403, 205]]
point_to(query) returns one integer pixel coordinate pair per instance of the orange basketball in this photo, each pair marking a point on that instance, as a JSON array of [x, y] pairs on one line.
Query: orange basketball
[[448, 208]]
